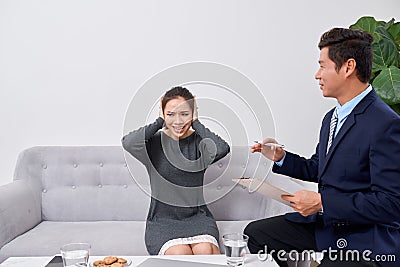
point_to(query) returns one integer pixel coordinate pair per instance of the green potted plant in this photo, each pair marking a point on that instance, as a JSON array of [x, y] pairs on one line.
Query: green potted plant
[[386, 60]]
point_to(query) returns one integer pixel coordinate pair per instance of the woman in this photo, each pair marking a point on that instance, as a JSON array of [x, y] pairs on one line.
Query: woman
[[176, 158]]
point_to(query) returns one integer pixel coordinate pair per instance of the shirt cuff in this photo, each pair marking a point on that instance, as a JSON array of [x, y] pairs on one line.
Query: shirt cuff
[[280, 163]]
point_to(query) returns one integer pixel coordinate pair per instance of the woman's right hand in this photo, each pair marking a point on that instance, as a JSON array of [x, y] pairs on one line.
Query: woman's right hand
[[160, 111], [272, 152]]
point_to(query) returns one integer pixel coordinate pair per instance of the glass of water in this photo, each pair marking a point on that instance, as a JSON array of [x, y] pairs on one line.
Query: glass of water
[[235, 248], [75, 254]]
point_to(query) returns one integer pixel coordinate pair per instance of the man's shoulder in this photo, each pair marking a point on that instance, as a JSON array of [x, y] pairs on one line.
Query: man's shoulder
[[381, 110]]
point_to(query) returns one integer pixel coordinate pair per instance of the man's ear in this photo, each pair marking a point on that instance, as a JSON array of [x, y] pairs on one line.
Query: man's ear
[[349, 66]]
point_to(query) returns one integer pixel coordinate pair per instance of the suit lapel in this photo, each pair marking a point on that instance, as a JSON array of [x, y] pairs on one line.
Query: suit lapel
[[350, 121], [347, 125], [323, 142]]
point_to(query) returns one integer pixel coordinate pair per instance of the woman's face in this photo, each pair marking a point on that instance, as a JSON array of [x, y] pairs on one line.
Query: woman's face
[[178, 118]]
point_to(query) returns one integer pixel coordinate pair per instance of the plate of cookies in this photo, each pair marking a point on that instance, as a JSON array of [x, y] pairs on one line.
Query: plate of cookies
[[111, 261]]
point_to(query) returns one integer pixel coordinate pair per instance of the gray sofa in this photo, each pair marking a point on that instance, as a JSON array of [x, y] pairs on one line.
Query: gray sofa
[[86, 194]]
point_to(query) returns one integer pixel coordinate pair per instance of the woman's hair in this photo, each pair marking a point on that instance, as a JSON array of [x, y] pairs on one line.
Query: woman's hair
[[176, 92], [344, 44]]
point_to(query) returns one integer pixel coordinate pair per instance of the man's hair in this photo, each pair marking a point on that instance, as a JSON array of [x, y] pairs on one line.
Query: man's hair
[[344, 44], [176, 92]]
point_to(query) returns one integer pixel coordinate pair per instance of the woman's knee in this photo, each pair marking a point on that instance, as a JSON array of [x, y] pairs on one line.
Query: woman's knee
[[203, 248], [179, 250]]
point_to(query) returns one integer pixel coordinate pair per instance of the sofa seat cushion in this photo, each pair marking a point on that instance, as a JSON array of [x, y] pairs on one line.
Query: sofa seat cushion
[[226, 227], [106, 237]]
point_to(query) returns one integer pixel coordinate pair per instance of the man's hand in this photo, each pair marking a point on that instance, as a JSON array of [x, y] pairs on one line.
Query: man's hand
[[305, 202], [273, 153]]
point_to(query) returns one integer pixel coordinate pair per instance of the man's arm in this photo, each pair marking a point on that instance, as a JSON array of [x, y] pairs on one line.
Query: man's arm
[[305, 202], [299, 167]]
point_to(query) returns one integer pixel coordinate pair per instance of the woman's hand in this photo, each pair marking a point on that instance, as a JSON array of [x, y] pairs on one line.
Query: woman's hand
[[195, 110], [160, 111]]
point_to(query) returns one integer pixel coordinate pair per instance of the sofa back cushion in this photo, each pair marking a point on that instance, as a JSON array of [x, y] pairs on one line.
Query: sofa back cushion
[[91, 183]]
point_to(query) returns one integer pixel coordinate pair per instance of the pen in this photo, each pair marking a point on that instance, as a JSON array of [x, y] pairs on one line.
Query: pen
[[271, 144]]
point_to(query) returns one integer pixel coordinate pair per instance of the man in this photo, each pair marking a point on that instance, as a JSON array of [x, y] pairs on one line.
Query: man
[[356, 165]]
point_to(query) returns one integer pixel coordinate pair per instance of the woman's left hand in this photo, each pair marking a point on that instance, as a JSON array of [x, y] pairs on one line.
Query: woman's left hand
[[195, 110]]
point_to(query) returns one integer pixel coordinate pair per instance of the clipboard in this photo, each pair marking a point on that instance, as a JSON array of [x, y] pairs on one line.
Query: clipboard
[[265, 188]]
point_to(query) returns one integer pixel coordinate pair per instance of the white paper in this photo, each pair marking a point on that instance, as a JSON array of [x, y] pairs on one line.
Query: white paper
[[265, 188]]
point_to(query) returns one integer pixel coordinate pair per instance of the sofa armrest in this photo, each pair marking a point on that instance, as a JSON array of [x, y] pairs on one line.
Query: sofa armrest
[[19, 210]]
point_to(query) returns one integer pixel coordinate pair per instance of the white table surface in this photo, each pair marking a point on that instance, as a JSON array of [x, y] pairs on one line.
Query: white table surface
[[250, 261]]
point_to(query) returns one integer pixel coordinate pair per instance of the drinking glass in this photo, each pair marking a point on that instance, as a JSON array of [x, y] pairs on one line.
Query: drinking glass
[[75, 254], [235, 248]]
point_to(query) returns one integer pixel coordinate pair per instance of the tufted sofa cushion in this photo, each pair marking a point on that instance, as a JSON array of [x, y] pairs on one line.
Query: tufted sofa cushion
[[97, 184]]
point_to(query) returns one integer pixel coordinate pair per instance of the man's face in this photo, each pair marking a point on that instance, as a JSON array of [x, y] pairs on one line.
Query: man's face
[[178, 117], [330, 81]]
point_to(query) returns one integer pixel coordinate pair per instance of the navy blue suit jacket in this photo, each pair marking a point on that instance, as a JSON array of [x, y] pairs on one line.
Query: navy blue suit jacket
[[359, 181]]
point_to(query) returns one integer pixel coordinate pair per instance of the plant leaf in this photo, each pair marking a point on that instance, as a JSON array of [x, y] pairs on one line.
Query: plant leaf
[[383, 33], [367, 24], [394, 31], [387, 85], [385, 54], [396, 108], [388, 24]]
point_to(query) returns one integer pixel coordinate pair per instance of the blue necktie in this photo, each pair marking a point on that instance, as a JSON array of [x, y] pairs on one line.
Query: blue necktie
[[332, 129]]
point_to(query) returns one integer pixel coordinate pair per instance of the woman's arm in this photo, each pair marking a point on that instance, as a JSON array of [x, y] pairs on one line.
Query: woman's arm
[[210, 139], [136, 141]]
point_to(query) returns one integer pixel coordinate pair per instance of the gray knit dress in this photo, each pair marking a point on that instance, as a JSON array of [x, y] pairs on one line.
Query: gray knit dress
[[176, 170]]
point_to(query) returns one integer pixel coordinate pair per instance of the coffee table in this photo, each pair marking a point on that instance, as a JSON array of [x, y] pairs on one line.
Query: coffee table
[[251, 260]]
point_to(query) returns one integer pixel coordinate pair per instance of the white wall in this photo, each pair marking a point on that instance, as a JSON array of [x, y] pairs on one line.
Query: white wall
[[68, 69]]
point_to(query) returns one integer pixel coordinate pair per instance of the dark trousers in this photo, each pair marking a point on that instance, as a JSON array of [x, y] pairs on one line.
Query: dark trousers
[[275, 235]]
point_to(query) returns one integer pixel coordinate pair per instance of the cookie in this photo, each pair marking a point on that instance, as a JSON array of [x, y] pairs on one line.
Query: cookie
[[98, 263], [117, 264], [110, 260], [122, 260]]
